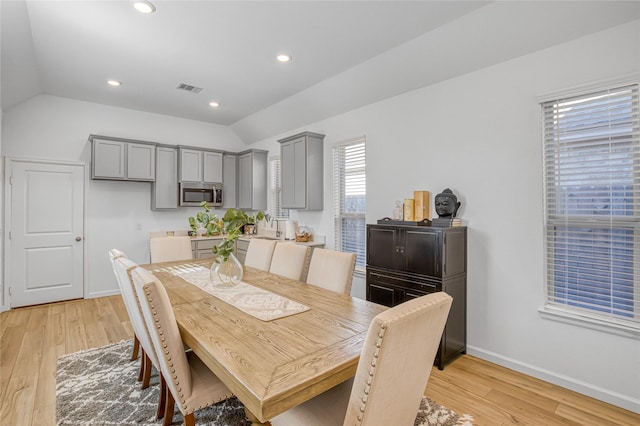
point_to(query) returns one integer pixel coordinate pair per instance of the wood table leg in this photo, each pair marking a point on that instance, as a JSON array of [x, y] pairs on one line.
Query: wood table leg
[[254, 420]]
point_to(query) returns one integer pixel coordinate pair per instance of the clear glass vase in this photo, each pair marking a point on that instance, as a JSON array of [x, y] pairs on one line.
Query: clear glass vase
[[226, 272]]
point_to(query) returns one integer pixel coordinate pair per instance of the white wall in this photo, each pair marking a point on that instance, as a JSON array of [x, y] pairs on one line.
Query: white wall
[[48, 127], [480, 135]]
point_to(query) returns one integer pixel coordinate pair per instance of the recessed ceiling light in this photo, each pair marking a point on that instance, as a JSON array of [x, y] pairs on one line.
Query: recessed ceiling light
[[214, 104], [144, 6], [114, 83], [283, 57]]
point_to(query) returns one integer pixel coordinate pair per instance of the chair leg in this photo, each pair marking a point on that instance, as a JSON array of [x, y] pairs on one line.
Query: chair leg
[[146, 376], [163, 398], [136, 347], [168, 408], [189, 420], [141, 372]]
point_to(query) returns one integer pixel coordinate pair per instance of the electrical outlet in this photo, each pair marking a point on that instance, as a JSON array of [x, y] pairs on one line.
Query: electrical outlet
[[139, 227]]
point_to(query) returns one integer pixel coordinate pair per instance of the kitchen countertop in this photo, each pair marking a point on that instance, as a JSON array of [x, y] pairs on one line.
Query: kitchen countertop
[[308, 243], [244, 237]]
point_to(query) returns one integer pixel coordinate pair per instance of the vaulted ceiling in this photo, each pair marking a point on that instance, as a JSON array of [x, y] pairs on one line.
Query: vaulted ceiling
[[345, 54]]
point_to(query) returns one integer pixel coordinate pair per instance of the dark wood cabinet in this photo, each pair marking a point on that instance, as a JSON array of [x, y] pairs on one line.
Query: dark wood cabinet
[[405, 262]]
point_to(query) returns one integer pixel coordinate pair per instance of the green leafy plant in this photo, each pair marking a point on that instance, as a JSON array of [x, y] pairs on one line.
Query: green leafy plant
[[205, 220], [234, 220]]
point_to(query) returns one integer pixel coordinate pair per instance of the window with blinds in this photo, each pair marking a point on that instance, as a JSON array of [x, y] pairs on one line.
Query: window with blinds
[[592, 196], [349, 198], [275, 190]]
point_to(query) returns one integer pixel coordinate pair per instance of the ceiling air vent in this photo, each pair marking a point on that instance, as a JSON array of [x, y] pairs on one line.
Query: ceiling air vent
[[189, 88]]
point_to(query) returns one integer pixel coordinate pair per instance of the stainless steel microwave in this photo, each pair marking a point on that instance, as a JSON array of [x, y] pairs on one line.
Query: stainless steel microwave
[[193, 193]]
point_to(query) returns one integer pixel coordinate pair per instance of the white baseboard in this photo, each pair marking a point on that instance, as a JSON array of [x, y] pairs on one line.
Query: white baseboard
[[102, 294], [608, 396]]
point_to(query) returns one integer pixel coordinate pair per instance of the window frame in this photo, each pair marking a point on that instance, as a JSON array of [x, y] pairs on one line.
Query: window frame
[[274, 207], [590, 317], [339, 202]]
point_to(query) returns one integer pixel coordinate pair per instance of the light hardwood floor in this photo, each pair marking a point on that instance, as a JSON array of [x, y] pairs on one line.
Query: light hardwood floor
[[33, 338]]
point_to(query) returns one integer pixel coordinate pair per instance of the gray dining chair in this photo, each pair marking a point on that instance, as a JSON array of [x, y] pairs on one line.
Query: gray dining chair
[[166, 249], [289, 260], [187, 381], [392, 373], [332, 270]]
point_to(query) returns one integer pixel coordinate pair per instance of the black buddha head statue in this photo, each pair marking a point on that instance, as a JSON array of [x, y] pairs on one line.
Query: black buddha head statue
[[447, 204]]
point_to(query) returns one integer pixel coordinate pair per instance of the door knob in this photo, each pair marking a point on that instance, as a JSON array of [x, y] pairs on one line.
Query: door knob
[[78, 238]]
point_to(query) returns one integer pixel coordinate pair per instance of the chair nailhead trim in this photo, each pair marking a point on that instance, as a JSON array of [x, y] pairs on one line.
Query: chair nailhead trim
[[367, 389]]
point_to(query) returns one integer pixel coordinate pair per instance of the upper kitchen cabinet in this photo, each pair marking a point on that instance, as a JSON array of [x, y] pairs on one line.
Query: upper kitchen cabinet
[[198, 165], [122, 159], [229, 181], [252, 180], [164, 191], [301, 163]]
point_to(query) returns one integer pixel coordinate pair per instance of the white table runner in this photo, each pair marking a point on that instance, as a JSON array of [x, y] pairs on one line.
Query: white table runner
[[255, 301]]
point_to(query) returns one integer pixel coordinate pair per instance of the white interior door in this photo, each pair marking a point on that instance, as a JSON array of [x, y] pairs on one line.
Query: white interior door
[[46, 232]]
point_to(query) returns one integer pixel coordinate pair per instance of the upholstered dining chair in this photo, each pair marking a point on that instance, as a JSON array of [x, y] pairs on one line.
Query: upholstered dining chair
[[332, 269], [113, 255], [259, 253], [187, 380], [392, 374], [165, 249], [289, 260], [122, 268]]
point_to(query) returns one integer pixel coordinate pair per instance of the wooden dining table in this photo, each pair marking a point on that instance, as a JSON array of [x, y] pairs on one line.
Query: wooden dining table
[[271, 366]]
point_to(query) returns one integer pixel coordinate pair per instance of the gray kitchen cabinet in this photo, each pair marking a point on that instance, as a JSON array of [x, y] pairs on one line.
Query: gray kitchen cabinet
[[241, 249], [198, 165], [212, 167], [141, 161], [229, 181], [164, 191], [201, 248], [190, 165], [301, 166], [122, 159], [252, 180]]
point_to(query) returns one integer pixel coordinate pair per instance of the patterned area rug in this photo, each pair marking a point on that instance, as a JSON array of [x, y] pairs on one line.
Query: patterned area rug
[[99, 387]]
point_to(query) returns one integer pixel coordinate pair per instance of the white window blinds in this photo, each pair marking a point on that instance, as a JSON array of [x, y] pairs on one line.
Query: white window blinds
[[349, 198], [275, 190], [592, 195]]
